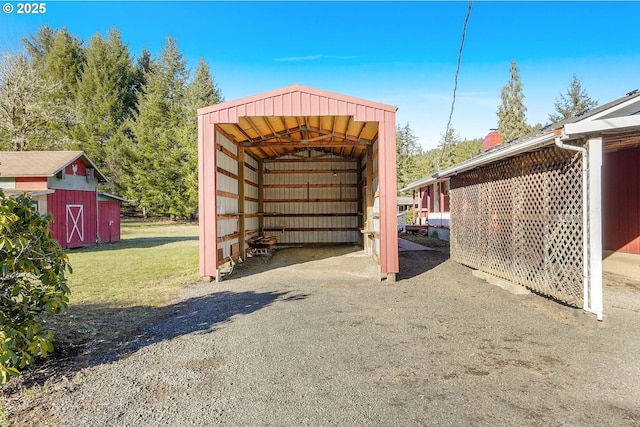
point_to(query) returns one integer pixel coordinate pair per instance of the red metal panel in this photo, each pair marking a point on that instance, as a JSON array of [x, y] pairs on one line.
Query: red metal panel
[[109, 218], [324, 106], [305, 100], [389, 262], [31, 183], [277, 105], [259, 110], [268, 107], [621, 201], [74, 217], [207, 197], [287, 109]]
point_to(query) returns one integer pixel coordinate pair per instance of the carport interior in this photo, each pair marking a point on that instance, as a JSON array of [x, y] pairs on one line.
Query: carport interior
[[303, 180], [306, 179]]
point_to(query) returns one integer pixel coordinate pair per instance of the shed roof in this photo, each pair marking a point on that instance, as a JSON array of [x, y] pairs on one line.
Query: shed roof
[[296, 118], [42, 163]]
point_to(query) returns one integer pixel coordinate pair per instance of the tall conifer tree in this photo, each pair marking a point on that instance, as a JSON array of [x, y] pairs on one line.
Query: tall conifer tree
[[159, 152], [201, 92], [511, 113], [104, 99], [577, 100]]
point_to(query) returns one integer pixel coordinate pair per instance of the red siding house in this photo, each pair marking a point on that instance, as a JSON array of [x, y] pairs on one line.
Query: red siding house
[[64, 184]]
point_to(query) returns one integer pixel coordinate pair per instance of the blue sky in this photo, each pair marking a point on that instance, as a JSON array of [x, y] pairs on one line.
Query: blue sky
[[398, 53]]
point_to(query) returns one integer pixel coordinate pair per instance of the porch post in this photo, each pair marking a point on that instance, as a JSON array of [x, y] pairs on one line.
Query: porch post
[[596, 303]]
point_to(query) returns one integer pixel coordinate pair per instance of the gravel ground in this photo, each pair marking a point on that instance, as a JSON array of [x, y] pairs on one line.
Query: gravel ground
[[312, 337]]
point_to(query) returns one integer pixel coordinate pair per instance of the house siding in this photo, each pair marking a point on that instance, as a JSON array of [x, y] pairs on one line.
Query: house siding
[[621, 201]]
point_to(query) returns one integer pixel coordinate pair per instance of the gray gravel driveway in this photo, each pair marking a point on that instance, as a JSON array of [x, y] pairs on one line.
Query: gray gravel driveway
[[311, 337]]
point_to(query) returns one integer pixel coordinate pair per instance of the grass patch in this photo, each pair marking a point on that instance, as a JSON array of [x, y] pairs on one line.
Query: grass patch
[[115, 290], [428, 241]]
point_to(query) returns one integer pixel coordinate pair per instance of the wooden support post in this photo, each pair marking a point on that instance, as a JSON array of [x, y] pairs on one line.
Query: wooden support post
[[241, 201], [368, 176], [261, 195], [360, 204]]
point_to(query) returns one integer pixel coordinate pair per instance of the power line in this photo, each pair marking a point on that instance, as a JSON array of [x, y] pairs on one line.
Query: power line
[[455, 85]]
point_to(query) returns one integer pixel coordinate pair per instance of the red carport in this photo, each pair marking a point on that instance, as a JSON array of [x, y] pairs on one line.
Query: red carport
[[305, 166]]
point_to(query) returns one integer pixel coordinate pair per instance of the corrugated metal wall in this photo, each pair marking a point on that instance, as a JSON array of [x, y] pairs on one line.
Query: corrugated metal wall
[[252, 197], [311, 198], [227, 196]]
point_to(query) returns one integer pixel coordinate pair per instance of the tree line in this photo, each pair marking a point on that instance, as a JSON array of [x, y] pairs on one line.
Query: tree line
[[135, 117], [413, 163]]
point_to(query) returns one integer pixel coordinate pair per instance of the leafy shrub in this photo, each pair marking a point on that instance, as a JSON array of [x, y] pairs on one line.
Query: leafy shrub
[[32, 283]]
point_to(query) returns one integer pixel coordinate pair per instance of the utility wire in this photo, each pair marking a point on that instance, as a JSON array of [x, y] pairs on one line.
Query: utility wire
[[455, 85]]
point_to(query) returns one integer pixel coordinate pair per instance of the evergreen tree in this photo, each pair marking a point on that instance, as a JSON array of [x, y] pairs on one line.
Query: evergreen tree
[[467, 149], [105, 99], [407, 151], [448, 146], [577, 100], [511, 113], [201, 92], [159, 154]]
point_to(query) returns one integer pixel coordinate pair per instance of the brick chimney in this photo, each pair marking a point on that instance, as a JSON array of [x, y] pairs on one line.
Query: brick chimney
[[492, 139]]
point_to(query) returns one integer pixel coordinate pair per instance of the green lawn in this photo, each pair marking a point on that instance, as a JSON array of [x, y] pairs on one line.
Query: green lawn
[[147, 267], [117, 288]]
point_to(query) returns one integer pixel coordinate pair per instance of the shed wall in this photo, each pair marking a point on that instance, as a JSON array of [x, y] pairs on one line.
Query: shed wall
[[307, 201], [69, 227], [109, 215], [227, 197], [521, 219]]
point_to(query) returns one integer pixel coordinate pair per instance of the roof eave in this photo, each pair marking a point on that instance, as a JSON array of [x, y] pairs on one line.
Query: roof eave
[[500, 154], [97, 172]]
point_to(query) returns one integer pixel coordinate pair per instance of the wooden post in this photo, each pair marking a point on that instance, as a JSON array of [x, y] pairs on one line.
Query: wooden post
[[261, 196], [368, 174], [241, 201]]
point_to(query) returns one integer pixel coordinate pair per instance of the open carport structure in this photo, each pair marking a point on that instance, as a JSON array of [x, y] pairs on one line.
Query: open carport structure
[[304, 165]]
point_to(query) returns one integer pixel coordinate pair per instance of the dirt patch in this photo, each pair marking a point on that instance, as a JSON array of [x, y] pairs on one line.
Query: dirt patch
[[311, 336]]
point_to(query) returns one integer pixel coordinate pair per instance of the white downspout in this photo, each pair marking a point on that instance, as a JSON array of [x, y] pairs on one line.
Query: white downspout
[[585, 221]]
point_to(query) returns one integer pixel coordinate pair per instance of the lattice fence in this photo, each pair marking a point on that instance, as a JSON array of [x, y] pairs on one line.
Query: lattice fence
[[521, 219]]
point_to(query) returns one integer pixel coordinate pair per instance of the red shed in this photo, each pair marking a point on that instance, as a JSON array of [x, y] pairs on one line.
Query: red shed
[[303, 165], [64, 184]]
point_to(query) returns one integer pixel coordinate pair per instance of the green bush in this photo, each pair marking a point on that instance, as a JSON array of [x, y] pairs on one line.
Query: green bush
[[32, 283]]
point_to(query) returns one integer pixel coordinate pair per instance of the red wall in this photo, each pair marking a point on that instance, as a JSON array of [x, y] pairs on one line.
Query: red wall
[[80, 171], [621, 201], [31, 183], [109, 213], [69, 227]]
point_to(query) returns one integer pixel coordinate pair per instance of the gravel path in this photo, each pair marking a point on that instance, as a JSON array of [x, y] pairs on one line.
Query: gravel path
[[323, 342]]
